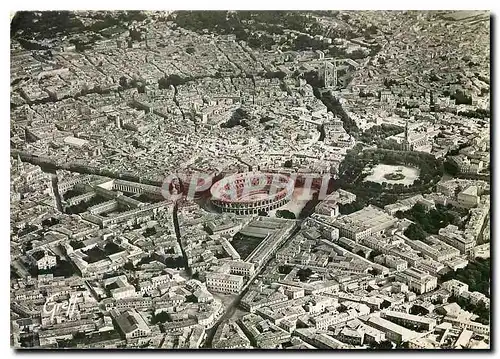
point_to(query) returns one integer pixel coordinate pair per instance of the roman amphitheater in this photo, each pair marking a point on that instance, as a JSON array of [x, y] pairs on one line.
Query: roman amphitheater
[[252, 192]]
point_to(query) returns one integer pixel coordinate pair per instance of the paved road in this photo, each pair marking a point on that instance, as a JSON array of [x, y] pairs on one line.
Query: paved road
[[234, 304], [178, 236]]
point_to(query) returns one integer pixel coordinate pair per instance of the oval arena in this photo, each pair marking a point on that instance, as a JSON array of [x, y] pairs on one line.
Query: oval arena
[[252, 192]]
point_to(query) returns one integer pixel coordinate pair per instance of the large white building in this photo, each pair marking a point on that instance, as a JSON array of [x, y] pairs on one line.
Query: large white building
[[418, 281], [467, 165], [455, 237], [364, 223], [469, 197], [238, 267], [455, 287], [224, 283], [44, 260], [396, 263]]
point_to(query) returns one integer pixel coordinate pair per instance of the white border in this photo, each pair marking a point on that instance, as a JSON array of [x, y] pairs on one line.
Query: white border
[[252, 5]]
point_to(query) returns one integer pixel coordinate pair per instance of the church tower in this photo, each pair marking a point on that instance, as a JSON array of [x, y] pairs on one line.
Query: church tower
[[432, 102], [20, 165], [406, 141]]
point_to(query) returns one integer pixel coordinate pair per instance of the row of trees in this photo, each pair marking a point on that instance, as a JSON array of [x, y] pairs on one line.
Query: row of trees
[[334, 106], [376, 134], [477, 113]]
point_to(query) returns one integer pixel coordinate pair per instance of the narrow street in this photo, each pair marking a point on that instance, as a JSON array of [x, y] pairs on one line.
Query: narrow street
[[55, 189]]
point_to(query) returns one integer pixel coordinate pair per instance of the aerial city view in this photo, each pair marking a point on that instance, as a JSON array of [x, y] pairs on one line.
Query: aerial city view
[[250, 179]]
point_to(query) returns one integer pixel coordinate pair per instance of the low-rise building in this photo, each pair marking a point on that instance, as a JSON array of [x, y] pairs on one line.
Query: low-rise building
[[393, 332], [131, 324], [455, 287], [469, 197], [409, 320], [417, 280], [224, 283], [230, 336], [452, 235]]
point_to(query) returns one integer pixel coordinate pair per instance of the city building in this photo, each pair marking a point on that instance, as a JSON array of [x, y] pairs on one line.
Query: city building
[[364, 223], [453, 236], [417, 280], [131, 324], [224, 283]]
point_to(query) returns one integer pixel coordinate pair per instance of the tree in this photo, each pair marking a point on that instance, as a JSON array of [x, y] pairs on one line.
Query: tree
[[476, 275], [374, 254], [275, 74], [237, 118], [373, 271], [149, 231], [360, 252], [431, 220], [304, 274], [451, 168], [175, 80], [415, 232], [129, 266], [285, 214], [161, 317], [284, 269]]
